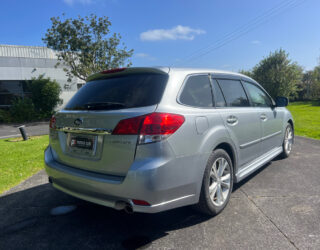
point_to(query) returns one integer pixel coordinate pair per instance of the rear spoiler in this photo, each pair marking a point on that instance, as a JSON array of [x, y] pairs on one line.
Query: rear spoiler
[[122, 71]]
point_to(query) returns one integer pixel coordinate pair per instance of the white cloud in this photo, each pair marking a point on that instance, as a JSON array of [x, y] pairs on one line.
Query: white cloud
[[141, 55], [175, 33], [255, 42], [226, 66], [72, 2], [145, 56]]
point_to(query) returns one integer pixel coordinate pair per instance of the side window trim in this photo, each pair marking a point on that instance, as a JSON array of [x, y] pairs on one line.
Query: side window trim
[[231, 78], [183, 85]]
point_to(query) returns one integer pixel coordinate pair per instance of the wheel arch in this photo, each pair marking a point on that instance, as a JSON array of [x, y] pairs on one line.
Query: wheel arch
[[290, 121], [231, 152]]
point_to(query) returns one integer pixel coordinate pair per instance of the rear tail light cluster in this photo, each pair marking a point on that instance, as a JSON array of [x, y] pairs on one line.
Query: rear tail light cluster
[[150, 128], [52, 123]]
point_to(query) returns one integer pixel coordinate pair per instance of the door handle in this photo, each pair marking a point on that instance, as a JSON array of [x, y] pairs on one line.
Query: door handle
[[263, 117], [232, 120]]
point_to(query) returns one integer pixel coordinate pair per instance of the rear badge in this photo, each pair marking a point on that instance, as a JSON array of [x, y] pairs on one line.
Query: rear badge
[[78, 121]]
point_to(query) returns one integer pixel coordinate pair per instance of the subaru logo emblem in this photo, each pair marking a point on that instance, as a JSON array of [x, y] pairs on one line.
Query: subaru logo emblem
[[78, 121]]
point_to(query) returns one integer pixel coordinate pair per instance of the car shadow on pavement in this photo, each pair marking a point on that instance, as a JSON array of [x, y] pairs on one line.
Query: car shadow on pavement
[[26, 222]]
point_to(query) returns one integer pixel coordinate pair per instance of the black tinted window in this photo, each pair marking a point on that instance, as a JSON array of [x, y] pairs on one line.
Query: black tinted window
[[218, 97], [197, 92], [257, 96], [234, 93], [129, 91]]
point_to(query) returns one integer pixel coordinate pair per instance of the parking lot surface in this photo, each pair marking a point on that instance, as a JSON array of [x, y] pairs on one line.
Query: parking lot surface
[[37, 128], [276, 208]]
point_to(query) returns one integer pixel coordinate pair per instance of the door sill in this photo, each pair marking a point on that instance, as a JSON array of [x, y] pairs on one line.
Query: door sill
[[257, 163]]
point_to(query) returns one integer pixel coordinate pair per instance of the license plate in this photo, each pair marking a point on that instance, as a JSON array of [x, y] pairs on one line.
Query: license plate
[[82, 142]]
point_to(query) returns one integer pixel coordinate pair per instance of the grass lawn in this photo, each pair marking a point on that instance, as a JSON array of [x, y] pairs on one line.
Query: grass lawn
[[306, 116], [20, 160]]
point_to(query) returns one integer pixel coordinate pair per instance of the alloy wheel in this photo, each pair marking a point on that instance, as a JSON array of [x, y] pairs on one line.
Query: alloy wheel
[[288, 140], [220, 181]]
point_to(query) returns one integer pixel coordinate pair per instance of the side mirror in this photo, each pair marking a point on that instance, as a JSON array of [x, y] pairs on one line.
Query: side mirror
[[282, 101]]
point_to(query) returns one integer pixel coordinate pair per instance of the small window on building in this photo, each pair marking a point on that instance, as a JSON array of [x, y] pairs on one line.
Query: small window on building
[[197, 92], [234, 93], [79, 85], [67, 86]]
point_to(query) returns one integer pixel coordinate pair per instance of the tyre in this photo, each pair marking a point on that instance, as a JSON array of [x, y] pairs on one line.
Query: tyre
[[287, 142], [217, 183]]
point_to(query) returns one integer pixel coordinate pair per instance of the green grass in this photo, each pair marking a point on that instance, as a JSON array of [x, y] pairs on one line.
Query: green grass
[[20, 160], [306, 116]]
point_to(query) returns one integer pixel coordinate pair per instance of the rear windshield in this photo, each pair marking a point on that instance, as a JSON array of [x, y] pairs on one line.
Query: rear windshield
[[128, 91]]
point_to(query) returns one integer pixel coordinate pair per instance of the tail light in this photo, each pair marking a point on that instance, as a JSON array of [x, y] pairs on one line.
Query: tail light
[[150, 128], [52, 123]]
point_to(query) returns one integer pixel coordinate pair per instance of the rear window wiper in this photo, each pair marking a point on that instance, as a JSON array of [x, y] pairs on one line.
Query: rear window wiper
[[103, 105]]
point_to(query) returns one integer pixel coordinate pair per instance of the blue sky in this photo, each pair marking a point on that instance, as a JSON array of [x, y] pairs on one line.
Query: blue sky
[[173, 32]]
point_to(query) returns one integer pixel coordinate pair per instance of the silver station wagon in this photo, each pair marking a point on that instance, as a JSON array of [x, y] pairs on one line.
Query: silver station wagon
[[153, 139]]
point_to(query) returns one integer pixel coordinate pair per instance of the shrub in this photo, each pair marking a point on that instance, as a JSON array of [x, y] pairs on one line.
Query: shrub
[[45, 95], [22, 110], [4, 116]]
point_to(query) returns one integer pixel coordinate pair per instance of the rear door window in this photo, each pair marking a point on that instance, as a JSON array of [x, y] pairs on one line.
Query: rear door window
[[197, 92], [218, 96], [127, 91], [233, 93]]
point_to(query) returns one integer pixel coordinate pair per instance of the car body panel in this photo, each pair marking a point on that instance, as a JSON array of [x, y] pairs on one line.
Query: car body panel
[[168, 173]]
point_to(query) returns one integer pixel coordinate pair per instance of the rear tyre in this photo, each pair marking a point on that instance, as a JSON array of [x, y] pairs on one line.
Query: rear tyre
[[217, 183], [287, 142]]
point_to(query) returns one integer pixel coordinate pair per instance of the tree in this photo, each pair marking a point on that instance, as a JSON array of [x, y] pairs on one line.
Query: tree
[[44, 95], [246, 72], [84, 47], [278, 74], [309, 88], [315, 88]]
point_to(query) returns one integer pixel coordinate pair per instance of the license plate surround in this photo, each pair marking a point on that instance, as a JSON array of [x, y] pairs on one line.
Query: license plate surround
[[82, 144]]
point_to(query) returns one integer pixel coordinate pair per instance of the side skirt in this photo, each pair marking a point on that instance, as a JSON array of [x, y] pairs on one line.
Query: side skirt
[[257, 163]]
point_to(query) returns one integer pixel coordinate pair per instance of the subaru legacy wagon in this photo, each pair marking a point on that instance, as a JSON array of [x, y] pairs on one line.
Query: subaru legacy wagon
[[153, 139]]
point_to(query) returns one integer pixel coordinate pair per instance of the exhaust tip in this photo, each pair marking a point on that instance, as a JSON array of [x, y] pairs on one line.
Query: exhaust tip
[[128, 209], [122, 205]]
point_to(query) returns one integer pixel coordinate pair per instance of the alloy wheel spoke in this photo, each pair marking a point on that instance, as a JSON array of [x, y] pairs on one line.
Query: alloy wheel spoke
[[213, 190], [222, 166], [225, 178], [225, 184], [213, 172], [219, 195]]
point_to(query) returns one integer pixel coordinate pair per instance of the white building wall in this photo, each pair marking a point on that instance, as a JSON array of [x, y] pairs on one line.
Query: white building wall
[[25, 62]]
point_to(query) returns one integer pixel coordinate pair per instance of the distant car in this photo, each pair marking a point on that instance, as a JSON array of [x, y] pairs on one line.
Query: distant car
[[153, 139]]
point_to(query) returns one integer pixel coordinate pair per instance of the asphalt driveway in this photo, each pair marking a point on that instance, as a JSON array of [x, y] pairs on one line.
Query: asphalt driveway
[[277, 208], [36, 128]]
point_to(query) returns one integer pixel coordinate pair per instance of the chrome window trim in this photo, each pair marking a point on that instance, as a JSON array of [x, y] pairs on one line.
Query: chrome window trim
[[99, 131]]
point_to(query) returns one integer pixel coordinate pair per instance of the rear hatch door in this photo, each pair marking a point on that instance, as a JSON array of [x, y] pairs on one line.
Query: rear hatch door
[[83, 136]]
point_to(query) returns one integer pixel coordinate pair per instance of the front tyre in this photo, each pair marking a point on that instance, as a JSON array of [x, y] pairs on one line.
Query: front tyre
[[217, 183], [287, 142]]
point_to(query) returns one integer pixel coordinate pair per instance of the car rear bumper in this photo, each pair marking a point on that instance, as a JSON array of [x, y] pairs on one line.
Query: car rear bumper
[[151, 181]]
